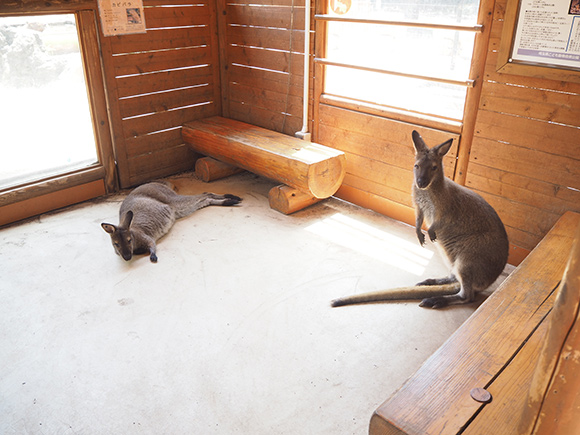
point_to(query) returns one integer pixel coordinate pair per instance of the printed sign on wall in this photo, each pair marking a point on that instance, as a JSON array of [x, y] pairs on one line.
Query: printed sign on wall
[[120, 17], [548, 32]]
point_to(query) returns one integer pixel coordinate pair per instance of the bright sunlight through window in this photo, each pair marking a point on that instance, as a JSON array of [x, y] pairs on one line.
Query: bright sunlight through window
[[45, 120], [372, 242], [438, 43]]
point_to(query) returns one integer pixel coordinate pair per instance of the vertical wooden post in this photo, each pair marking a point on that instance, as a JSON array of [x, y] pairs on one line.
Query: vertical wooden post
[[219, 54], [320, 26], [221, 22], [476, 73], [87, 23]]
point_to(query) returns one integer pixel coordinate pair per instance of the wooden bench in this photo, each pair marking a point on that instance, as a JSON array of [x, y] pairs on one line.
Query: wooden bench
[[508, 349], [309, 171]]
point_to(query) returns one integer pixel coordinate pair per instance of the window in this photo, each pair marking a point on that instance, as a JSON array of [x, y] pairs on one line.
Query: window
[[413, 55], [45, 118]]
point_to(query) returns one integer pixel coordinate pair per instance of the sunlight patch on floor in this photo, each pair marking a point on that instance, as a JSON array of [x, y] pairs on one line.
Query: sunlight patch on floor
[[373, 242]]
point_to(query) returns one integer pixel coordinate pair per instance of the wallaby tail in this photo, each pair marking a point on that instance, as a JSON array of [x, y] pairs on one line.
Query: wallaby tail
[[399, 294], [187, 204]]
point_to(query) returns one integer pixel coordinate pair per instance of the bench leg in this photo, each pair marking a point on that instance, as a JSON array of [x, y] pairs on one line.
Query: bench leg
[[288, 200], [208, 169]]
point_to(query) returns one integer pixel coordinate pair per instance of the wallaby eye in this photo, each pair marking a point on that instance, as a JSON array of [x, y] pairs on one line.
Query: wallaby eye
[[128, 239], [416, 166], [434, 167], [116, 244]]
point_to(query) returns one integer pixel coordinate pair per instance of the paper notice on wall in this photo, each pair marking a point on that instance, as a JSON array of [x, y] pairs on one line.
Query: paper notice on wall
[[548, 32], [121, 17]]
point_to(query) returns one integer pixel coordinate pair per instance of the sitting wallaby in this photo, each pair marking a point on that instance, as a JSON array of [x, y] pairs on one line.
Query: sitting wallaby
[[468, 231], [150, 211]]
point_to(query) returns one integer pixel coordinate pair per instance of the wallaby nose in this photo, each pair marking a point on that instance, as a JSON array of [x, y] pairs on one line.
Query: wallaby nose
[[422, 182], [127, 256]]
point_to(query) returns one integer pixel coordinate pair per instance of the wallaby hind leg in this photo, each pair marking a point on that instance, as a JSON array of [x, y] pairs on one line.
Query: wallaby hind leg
[[188, 204], [465, 295], [225, 200], [208, 198]]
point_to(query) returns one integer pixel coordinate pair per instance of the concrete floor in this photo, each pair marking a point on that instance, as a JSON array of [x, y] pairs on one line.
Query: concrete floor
[[231, 332]]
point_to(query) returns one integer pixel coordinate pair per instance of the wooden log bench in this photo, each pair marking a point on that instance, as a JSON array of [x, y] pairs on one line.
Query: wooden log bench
[[310, 172], [496, 374]]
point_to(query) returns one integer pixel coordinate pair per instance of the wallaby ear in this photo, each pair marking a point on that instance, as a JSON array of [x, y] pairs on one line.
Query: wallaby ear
[[109, 228], [419, 143], [443, 148], [126, 221]]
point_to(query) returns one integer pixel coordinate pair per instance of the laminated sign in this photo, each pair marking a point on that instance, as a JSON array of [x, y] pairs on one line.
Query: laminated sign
[[120, 17], [548, 32]]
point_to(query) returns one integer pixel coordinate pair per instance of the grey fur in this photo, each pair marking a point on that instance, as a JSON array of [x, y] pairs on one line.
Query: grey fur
[[149, 212], [467, 230]]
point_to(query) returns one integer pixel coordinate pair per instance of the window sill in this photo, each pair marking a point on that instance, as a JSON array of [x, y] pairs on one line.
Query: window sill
[[449, 125]]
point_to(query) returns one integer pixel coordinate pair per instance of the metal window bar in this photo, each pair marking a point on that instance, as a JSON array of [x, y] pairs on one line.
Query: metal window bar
[[466, 83], [323, 61], [474, 28]]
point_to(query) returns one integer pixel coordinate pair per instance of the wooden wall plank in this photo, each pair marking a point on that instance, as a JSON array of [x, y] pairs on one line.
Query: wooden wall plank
[[266, 99], [160, 39], [268, 80], [155, 141], [278, 39], [140, 63], [525, 154], [265, 63], [159, 121], [530, 133], [268, 59], [277, 121], [281, 17], [162, 79], [164, 101], [160, 164], [177, 16], [544, 166], [542, 104]]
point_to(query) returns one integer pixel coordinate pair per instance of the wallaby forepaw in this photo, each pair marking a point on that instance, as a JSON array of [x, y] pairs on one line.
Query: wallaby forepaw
[[153, 258], [432, 235], [421, 238], [436, 302]]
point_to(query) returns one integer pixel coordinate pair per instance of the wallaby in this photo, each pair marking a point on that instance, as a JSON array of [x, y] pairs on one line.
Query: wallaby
[[150, 211], [469, 234]]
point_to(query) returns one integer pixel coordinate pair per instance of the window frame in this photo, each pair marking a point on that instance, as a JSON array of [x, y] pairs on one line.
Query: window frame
[[28, 199], [322, 18]]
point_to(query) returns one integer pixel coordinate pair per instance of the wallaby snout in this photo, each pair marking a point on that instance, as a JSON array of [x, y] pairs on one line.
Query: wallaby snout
[[422, 179]]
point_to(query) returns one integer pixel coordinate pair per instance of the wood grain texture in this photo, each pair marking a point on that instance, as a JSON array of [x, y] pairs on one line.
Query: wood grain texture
[[158, 81], [288, 200], [480, 349], [306, 166], [526, 142], [552, 401], [208, 169]]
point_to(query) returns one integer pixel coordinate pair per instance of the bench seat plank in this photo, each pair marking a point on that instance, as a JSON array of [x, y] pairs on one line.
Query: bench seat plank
[[436, 399], [309, 167]]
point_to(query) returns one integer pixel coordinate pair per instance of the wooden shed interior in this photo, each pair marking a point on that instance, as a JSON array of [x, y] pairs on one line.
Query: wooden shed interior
[[316, 71], [516, 141]]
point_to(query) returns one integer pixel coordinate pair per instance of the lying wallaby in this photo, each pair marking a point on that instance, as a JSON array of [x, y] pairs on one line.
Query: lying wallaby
[[468, 231], [150, 211]]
